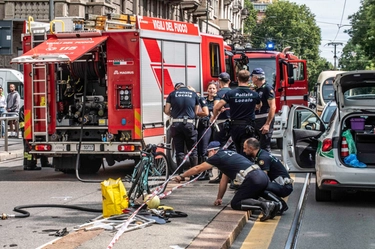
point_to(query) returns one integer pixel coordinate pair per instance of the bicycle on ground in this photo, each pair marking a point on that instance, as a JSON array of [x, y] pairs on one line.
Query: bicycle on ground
[[150, 173]]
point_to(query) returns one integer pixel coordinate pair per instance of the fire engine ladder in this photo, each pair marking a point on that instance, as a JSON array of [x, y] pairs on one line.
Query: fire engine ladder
[[39, 102], [39, 99]]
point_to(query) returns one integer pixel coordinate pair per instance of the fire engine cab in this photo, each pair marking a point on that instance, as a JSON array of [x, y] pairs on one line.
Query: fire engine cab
[[283, 70], [99, 88]]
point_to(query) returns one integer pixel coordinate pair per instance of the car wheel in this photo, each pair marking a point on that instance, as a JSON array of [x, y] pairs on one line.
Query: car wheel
[[322, 195], [279, 143], [337, 195]]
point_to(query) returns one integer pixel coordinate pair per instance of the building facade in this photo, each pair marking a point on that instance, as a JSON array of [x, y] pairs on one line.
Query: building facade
[[219, 17]]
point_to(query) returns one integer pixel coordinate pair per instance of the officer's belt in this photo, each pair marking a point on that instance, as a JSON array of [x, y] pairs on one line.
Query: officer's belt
[[240, 176], [181, 120], [240, 122], [263, 115], [220, 121], [249, 169]]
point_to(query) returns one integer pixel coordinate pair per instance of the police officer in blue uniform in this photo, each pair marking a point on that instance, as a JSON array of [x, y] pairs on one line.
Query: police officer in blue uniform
[[202, 123], [231, 164], [182, 105], [281, 184], [242, 102], [264, 117], [223, 120], [222, 134]]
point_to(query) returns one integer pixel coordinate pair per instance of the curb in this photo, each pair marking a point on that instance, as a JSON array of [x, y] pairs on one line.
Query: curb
[[7, 155], [222, 231]]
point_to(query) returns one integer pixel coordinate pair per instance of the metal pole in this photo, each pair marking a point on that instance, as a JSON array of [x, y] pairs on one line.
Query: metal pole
[[51, 10], [335, 44]]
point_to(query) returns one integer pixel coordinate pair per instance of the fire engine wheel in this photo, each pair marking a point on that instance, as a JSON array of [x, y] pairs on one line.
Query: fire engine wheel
[[89, 165]]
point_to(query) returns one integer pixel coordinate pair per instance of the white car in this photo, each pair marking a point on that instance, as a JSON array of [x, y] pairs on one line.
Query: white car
[[310, 145]]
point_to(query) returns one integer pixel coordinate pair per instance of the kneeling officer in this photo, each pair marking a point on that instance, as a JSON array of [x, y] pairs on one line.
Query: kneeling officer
[[234, 167]]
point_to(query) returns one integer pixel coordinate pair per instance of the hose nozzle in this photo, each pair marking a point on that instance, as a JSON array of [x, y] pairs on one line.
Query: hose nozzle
[[6, 216]]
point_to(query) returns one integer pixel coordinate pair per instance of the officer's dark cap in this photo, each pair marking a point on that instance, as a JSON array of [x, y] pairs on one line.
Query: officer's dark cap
[[178, 85], [257, 71], [224, 77], [214, 145]]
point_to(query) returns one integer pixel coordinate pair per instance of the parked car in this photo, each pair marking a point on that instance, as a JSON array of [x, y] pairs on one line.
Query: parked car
[[328, 112], [313, 145]]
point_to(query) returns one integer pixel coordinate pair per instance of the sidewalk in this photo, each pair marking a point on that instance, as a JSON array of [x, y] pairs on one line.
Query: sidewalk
[[207, 226], [15, 149]]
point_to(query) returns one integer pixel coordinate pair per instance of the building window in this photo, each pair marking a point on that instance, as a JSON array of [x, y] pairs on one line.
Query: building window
[[260, 7]]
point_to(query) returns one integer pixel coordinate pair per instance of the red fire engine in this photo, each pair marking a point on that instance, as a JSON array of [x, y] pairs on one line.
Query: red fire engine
[[283, 70], [105, 87]]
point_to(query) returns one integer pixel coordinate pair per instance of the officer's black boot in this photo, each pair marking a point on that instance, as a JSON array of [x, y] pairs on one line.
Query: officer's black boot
[[31, 164], [217, 179], [267, 207], [204, 176], [282, 204]]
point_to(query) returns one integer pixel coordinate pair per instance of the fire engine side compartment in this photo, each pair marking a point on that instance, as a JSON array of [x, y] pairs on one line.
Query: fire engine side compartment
[[108, 101]]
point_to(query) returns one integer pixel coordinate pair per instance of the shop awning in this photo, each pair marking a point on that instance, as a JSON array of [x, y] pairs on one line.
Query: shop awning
[[60, 50]]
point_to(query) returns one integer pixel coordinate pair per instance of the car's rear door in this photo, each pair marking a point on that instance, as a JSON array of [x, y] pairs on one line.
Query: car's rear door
[[301, 139]]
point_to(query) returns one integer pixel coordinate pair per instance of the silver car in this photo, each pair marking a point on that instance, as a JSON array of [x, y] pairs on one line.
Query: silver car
[[342, 151]]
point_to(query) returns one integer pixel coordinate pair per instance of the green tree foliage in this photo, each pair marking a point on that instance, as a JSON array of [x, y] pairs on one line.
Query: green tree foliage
[[353, 57], [250, 21], [289, 24], [359, 52]]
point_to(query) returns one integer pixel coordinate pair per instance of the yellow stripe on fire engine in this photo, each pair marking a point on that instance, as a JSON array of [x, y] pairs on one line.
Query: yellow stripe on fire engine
[[27, 132], [137, 124]]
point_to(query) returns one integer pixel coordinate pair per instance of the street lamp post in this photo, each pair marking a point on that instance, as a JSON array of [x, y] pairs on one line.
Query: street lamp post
[[51, 10]]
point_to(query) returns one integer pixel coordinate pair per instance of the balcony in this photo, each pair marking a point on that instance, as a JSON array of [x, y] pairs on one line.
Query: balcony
[[189, 4], [237, 6], [202, 9], [227, 2], [225, 25]]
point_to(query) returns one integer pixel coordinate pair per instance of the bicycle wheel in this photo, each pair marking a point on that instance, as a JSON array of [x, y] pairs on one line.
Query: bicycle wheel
[[137, 189], [158, 173]]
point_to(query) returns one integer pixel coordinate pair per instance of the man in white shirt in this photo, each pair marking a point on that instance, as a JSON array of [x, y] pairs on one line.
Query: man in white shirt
[[13, 105], [3, 104]]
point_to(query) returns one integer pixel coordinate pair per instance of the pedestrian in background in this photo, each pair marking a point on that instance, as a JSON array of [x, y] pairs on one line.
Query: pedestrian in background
[[242, 102], [231, 163], [265, 116], [182, 105], [29, 160], [13, 105], [3, 105], [281, 185]]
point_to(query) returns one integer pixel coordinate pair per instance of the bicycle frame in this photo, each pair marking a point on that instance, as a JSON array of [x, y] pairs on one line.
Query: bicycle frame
[[149, 174]]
